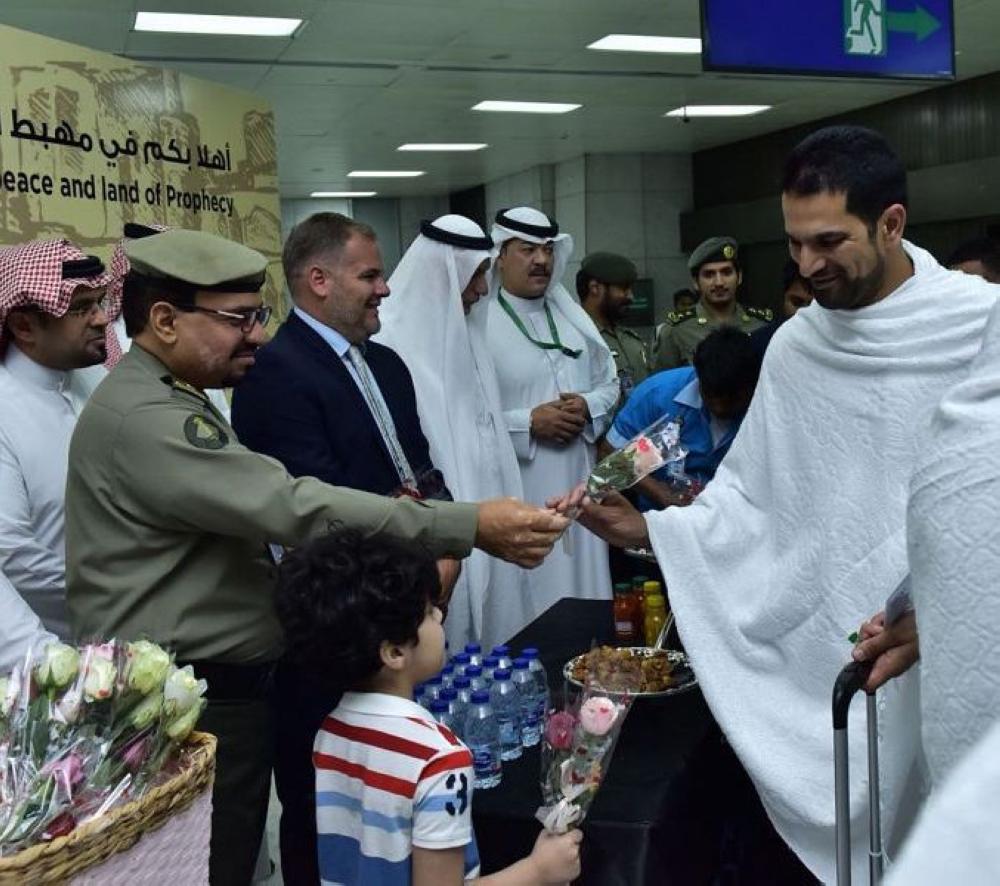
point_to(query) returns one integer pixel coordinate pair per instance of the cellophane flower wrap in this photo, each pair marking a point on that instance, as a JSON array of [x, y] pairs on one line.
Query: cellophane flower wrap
[[654, 447], [577, 744], [84, 728]]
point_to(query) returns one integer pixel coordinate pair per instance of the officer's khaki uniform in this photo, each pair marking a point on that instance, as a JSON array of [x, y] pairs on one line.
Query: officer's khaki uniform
[[685, 329], [631, 359], [167, 520]]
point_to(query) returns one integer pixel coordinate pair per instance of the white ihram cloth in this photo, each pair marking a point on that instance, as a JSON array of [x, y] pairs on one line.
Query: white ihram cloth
[[530, 376], [801, 536], [954, 541], [957, 838], [459, 405], [20, 629]]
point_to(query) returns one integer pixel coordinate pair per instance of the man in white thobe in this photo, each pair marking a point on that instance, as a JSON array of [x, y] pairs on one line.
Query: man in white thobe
[[436, 322], [558, 390], [52, 336], [803, 529]]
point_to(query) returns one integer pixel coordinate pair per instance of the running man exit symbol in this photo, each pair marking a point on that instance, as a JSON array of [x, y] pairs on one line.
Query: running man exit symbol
[[864, 27], [867, 23]]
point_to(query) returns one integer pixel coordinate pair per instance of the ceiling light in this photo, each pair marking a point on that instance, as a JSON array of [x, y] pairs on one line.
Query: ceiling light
[[526, 107], [641, 43], [237, 25], [443, 146], [385, 173], [342, 194], [717, 110]]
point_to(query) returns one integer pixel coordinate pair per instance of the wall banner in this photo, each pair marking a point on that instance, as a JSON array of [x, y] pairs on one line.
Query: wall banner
[[89, 141]]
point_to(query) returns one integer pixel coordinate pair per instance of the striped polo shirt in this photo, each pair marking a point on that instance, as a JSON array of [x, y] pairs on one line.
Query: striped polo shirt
[[388, 778]]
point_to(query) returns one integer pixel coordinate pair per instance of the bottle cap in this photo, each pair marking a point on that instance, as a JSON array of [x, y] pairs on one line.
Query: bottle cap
[[639, 580], [473, 647], [448, 669], [501, 650], [530, 652], [501, 674], [435, 681], [651, 587], [480, 696], [462, 683], [462, 658], [491, 661], [449, 694], [473, 671], [520, 664], [439, 706]]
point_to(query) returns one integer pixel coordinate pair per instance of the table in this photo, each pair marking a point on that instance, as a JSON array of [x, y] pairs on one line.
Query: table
[[675, 808]]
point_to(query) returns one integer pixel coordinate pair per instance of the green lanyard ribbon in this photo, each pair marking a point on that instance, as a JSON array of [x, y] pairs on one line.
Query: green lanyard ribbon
[[554, 345]]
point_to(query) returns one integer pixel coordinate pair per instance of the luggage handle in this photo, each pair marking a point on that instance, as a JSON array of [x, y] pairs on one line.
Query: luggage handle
[[851, 679]]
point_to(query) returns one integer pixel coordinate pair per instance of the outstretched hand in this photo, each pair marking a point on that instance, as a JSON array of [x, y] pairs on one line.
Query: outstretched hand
[[518, 532]]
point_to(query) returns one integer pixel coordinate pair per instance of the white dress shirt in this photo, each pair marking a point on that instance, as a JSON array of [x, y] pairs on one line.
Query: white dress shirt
[[40, 408]]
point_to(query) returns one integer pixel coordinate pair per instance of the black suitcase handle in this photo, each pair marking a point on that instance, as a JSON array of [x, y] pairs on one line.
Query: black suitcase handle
[[849, 681]]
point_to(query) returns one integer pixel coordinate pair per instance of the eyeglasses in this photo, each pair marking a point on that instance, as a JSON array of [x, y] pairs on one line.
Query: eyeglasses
[[87, 308], [242, 320]]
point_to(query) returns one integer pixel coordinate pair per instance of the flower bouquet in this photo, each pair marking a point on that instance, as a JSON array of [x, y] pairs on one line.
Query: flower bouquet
[[577, 744], [651, 449], [82, 729]]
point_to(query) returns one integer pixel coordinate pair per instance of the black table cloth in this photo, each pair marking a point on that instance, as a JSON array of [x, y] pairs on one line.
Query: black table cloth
[[675, 806]]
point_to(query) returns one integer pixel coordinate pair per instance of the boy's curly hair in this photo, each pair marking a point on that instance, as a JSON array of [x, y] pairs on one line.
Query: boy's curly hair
[[340, 596]]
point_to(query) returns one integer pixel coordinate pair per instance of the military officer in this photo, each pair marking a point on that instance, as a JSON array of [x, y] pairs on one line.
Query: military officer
[[168, 517], [715, 270], [604, 284]]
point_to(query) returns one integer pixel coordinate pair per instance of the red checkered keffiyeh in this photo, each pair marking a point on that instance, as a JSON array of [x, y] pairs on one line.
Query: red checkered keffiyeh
[[31, 274]]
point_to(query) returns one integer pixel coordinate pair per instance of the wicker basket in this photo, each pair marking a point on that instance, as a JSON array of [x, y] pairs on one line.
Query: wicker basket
[[118, 830]]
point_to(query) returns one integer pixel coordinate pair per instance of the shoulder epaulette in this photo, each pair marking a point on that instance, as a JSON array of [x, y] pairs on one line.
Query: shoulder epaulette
[[761, 313], [676, 317], [178, 385]]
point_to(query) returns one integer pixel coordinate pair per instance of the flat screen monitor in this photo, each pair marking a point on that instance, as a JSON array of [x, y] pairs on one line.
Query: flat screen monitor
[[896, 39]]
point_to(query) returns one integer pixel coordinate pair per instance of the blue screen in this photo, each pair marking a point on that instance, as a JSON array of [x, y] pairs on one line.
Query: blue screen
[[862, 38]]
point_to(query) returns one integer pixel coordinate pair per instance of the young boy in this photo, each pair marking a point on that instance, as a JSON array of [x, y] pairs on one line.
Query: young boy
[[393, 786]]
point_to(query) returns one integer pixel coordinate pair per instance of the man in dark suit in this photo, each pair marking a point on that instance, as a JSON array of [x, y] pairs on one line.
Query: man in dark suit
[[328, 403]]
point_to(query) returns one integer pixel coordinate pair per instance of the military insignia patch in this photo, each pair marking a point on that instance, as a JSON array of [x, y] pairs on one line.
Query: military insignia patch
[[204, 433], [728, 252]]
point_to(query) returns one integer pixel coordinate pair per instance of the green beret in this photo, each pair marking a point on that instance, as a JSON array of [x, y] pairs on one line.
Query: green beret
[[607, 267], [714, 249], [197, 259]]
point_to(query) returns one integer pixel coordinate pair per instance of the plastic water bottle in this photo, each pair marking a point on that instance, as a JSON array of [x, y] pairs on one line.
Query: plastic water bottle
[[541, 678], [490, 666], [482, 735], [507, 707], [460, 662], [439, 709], [456, 709], [475, 675], [447, 675], [475, 652], [527, 691], [432, 689], [502, 654], [463, 687]]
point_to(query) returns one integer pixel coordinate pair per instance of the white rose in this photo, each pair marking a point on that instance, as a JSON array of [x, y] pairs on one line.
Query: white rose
[[58, 666], [99, 682], [182, 691]]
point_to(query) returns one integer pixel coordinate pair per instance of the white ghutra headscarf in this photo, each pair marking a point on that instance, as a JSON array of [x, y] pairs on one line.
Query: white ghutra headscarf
[[457, 394]]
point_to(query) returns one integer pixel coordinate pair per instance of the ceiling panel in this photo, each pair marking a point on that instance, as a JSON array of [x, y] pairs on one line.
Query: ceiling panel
[[363, 76]]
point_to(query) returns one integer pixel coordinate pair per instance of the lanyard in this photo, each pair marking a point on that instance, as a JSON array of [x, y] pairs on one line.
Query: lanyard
[[554, 345]]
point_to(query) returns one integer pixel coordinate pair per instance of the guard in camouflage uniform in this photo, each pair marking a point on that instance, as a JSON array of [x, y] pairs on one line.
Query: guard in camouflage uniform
[[168, 516], [715, 270]]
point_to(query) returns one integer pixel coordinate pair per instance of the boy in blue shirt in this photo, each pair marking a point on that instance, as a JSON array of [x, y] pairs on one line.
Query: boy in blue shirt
[[393, 786], [709, 399]]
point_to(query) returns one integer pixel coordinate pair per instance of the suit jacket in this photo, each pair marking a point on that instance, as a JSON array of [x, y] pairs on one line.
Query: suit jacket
[[300, 405]]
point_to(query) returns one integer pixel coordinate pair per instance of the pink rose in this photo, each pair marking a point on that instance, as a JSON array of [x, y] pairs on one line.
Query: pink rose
[[598, 715], [559, 730], [68, 771]]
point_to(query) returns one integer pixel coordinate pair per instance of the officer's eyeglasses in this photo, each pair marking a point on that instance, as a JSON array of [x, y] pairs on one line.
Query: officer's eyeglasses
[[87, 308], [242, 320]]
